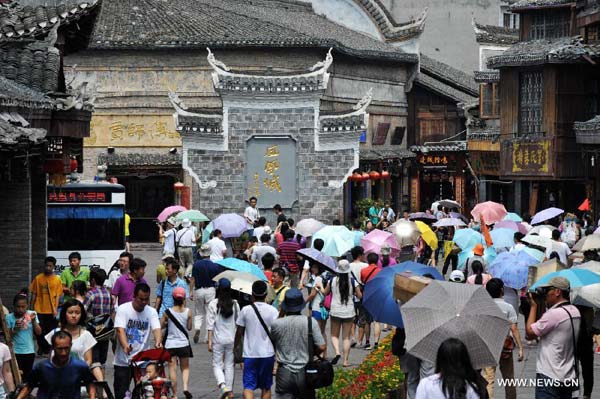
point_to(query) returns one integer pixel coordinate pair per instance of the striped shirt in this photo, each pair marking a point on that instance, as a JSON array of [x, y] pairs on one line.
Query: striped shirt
[[98, 301], [287, 254]]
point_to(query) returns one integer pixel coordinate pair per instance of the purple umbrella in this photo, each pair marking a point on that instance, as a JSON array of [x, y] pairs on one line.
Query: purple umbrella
[[460, 216], [423, 217], [376, 239], [168, 211], [230, 224], [319, 257], [546, 214], [509, 224]]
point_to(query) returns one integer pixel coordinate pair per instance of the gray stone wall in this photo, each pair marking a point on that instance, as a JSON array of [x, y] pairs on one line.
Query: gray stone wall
[[315, 198]]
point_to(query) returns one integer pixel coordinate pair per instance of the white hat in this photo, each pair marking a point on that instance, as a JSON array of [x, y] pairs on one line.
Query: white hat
[[343, 266], [186, 223], [172, 221], [457, 276]]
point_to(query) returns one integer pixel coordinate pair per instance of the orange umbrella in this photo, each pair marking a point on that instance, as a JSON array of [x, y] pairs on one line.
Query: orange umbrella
[[585, 206]]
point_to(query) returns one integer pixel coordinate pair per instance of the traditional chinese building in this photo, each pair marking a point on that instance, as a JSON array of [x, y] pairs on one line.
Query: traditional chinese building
[[42, 125], [437, 134], [136, 54], [548, 80]]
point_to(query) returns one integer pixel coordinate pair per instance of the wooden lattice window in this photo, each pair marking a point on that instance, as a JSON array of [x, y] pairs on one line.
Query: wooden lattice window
[[531, 86], [489, 100], [593, 33], [549, 24]]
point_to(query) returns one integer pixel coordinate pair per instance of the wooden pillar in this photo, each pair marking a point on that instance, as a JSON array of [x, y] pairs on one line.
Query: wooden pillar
[[415, 192]]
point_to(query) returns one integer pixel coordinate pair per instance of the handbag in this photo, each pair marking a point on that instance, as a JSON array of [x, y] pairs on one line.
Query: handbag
[[101, 327], [509, 346], [318, 372]]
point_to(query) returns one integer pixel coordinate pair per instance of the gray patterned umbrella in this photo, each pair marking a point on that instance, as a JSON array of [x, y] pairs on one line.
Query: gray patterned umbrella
[[449, 310]]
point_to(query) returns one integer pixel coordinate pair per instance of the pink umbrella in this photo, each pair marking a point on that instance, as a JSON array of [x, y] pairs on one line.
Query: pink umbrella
[[376, 239], [492, 212], [509, 224], [168, 211]]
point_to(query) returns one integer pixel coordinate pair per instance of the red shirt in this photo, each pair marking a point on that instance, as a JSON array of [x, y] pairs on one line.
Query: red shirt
[[368, 273]]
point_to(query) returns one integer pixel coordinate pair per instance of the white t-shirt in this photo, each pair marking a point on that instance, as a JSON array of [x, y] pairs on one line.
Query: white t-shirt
[[256, 341], [339, 309], [217, 246], [260, 251], [112, 279], [252, 214], [507, 309], [223, 329], [176, 338], [187, 236], [561, 249], [260, 230], [431, 388], [356, 268], [316, 302], [4, 357], [169, 246], [80, 345], [138, 328]]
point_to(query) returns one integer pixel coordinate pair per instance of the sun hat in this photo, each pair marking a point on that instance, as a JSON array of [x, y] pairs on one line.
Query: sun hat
[[478, 250], [179, 293], [343, 267], [186, 223], [457, 276], [204, 250], [293, 301], [558, 282]]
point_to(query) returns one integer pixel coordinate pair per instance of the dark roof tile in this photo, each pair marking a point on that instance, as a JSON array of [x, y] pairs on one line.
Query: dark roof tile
[[449, 75], [491, 34], [11, 134], [529, 4]]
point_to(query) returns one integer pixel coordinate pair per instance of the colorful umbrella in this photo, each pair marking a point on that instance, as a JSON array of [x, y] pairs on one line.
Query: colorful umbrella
[[447, 203], [544, 230], [577, 278], [466, 239], [449, 222], [492, 212], [313, 255], [513, 217], [378, 297], [591, 242], [427, 234], [242, 266], [376, 239], [168, 211], [546, 214], [308, 227], [445, 310], [407, 233], [502, 237], [508, 224], [590, 294], [513, 268], [489, 254], [230, 224], [192, 215], [206, 233], [338, 240]]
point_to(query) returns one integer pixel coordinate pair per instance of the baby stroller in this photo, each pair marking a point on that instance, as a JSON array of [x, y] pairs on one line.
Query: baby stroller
[[155, 388]]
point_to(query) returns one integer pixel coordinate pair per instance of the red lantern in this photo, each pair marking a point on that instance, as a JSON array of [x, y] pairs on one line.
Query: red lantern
[[374, 175], [178, 186], [385, 174], [364, 176]]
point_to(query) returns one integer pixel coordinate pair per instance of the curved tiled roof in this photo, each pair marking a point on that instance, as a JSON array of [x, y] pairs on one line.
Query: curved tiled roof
[[18, 95], [529, 4], [26, 21], [495, 34], [449, 75], [389, 28], [157, 24]]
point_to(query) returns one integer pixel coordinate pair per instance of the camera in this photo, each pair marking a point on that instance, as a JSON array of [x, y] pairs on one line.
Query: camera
[[540, 292]]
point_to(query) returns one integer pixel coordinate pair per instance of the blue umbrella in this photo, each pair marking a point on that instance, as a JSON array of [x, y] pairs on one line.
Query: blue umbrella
[[534, 253], [512, 268], [319, 257], [488, 255], [513, 217], [503, 237], [378, 296], [242, 266], [467, 238], [577, 278]]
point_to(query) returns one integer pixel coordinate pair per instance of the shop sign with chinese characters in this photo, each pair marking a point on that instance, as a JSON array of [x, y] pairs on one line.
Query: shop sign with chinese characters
[[271, 171], [531, 157], [132, 131], [433, 160]]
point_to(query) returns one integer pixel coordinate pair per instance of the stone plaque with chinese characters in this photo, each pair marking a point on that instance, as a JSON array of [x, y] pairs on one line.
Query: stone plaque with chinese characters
[[271, 171], [531, 157], [132, 131]]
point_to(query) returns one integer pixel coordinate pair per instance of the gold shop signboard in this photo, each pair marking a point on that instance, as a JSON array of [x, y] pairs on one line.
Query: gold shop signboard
[[132, 131], [531, 157]]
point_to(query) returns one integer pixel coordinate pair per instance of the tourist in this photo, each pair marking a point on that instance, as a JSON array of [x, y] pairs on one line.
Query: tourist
[[495, 287], [203, 273], [23, 324], [46, 290], [369, 227], [307, 279], [186, 241], [277, 279], [78, 290], [123, 290], [478, 277], [262, 249], [134, 322], [98, 302], [478, 252], [451, 251], [454, 375], [414, 368], [424, 252], [60, 376], [288, 258], [122, 268], [386, 259], [342, 310], [365, 320], [177, 319], [374, 213], [561, 248], [164, 292], [6, 376], [557, 330], [218, 249], [253, 323], [168, 236], [268, 261], [221, 324], [72, 273], [387, 212], [251, 214], [72, 320], [356, 266], [279, 213], [152, 374], [290, 337], [315, 301], [261, 227]]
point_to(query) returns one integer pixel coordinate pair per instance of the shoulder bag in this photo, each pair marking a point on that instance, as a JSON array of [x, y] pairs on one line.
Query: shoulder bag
[[101, 327], [264, 325], [575, 357], [179, 327], [318, 372]]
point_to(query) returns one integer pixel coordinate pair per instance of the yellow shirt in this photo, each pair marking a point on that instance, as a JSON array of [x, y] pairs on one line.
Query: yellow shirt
[[127, 221], [47, 290]]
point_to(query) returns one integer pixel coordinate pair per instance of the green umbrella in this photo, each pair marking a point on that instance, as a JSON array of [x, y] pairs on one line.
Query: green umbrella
[[193, 216]]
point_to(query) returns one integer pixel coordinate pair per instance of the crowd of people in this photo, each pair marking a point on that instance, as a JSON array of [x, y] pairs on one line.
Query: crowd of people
[[268, 330]]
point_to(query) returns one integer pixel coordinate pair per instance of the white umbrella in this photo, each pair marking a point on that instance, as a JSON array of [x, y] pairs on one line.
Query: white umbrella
[[240, 281], [544, 230], [451, 222], [308, 227], [591, 242], [537, 240], [588, 295]]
